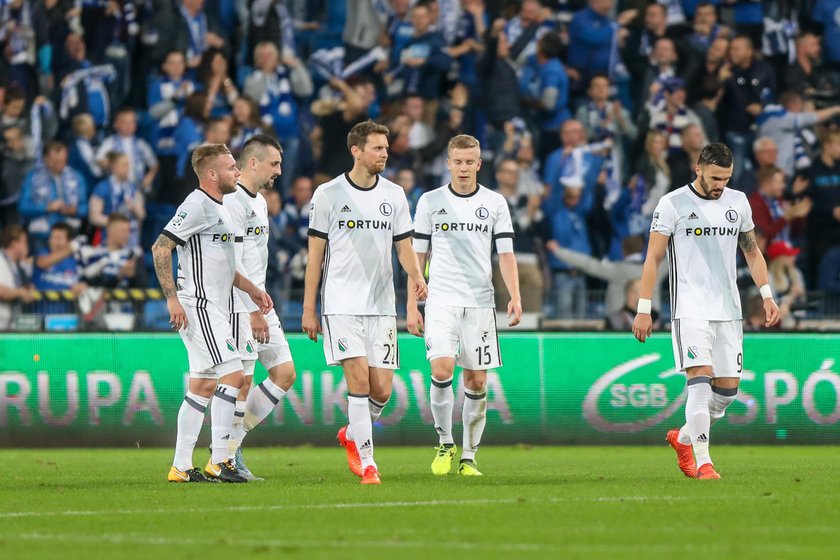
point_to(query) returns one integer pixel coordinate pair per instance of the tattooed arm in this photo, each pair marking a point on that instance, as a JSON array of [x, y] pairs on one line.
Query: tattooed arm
[[162, 256], [758, 269]]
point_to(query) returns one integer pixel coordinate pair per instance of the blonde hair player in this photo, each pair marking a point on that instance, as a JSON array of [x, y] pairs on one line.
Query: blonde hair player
[[203, 233], [461, 221]]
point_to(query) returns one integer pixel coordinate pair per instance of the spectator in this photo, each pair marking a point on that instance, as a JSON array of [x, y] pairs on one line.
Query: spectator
[[824, 190], [335, 122], [217, 131], [824, 13], [246, 123], [500, 95], [669, 114], [15, 288], [806, 75], [468, 44], [25, 43], [423, 61], [16, 163], [118, 194], [681, 162], [190, 30], [272, 22], [82, 155], [545, 89], [113, 264], [420, 134], [591, 35], [705, 29], [573, 165], [167, 95], [829, 273], [751, 84], [708, 78], [52, 192], [83, 85], [190, 131], [771, 213], [14, 114], [756, 317], [524, 205], [143, 164], [569, 230], [603, 118], [56, 267], [622, 319], [277, 85], [297, 209], [785, 279], [525, 30], [765, 154], [363, 28], [785, 122], [213, 78], [406, 179]]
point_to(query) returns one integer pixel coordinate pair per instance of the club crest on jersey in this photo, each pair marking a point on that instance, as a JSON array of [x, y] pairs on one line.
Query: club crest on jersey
[[385, 209], [693, 352], [731, 216], [179, 219], [482, 213], [342, 344], [231, 346]]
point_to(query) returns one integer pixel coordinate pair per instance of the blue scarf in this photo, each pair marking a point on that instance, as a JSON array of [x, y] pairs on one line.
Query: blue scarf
[[197, 26]]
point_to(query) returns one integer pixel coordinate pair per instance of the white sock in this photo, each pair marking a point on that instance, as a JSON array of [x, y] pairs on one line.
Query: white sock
[[190, 418], [358, 413], [376, 409], [236, 431], [721, 399], [261, 401], [221, 417], [697, 417], [442, 401], [474, 417]]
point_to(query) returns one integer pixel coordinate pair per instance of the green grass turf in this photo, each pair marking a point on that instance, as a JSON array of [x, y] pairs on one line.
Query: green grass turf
[[542, 502]]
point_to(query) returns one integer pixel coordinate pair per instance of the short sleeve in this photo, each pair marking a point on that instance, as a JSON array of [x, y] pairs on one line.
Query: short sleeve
[[664, 218], [188, 220], [319, 215], [422, 226], [237, 216], [402, 218], [101, 190], [503, 229], [747, 223]]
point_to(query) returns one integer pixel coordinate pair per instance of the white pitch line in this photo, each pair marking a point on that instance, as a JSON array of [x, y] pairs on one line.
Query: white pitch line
[[353, 505], [117, 538]]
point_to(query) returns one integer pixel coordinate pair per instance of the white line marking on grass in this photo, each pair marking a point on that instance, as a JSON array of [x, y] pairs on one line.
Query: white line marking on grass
[[134, 539], [352, 505]]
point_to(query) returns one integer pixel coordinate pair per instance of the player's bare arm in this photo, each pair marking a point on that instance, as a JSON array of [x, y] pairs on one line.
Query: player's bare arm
[[409, 262], [262, 299], [643, 323], [758, 269], [309, 321], [414, 320], [510, 275], [162, 258]]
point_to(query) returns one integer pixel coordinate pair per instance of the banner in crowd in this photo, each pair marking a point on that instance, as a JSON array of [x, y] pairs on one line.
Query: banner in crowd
[[126, 389]]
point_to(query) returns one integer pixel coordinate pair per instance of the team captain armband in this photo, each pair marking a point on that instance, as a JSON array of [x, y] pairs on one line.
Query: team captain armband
[[504, 242]]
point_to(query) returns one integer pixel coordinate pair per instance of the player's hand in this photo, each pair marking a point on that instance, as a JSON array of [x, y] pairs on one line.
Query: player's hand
[[262, 299], [771, 311], [310, 325], [642, 326], [414, 322], [421, 290], [514, 310], [177, 316], [259, 327]]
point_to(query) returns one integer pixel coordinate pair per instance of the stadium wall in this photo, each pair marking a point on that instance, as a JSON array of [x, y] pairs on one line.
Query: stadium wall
[[125, 389]]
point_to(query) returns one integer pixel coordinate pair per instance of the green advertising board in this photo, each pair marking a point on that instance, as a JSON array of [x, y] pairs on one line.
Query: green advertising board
[[125, 389]]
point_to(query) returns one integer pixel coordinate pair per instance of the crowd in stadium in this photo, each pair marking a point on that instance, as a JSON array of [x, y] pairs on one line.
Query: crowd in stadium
[[587, 112]]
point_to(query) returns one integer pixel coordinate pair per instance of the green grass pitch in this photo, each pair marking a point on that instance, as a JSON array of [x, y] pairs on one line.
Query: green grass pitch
[[541, 502]]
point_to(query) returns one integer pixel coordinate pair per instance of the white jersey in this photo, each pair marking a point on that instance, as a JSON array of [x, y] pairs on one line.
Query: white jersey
[[360, 226], [249, 213], [702, 251], [203, 230], [461, 229]]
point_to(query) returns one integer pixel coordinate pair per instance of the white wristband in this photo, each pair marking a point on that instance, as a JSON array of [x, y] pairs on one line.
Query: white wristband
[[644, 306], [766, 292]]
